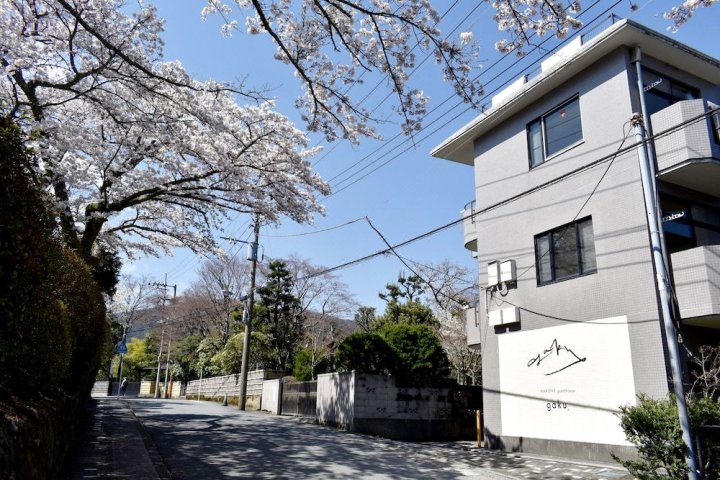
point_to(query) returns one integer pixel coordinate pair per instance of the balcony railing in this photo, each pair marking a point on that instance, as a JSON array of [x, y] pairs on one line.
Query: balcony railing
[[689, 156], [469, 226], [696, 275]]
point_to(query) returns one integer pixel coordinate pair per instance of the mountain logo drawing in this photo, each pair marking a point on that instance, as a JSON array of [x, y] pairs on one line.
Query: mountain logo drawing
[[555, 359]]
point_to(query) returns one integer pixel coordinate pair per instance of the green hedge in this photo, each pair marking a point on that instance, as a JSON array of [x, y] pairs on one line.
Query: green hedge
[[52, 324]]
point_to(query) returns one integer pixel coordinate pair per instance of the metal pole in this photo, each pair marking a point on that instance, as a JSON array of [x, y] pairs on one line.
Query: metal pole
[[248, 324], [122, 356], [649, 146], [157, 379], [167, 367], [200, 386], [167, 363], [662, 284]]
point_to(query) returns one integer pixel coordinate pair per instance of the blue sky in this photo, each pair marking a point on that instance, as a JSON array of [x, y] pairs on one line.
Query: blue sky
[[412, 192]]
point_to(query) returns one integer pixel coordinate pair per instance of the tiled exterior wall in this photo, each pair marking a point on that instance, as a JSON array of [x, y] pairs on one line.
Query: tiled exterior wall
[[624, 282], [696, 141], [697, 281]]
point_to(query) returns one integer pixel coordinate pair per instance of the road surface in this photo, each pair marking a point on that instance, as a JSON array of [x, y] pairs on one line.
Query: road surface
[[204, 440]]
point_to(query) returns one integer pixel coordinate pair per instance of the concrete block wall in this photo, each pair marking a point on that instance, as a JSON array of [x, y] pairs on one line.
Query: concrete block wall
[[378, 397], [373, 404], [271, 396], [335, 404]]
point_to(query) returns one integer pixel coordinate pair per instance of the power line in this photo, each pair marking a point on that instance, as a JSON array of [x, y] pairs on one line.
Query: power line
[[302, 234], [518, 196], [436, 292], [380, 82], [448, 111]]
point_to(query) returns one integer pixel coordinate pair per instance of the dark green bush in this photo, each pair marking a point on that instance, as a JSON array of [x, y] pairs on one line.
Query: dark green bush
[[365, 352], [653, 427], [307, 366], [52, 324], [410, 353], [421, 359]]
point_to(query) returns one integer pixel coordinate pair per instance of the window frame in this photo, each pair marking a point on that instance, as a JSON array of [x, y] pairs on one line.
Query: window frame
[[541, 121], [672, 82], [551, 252]]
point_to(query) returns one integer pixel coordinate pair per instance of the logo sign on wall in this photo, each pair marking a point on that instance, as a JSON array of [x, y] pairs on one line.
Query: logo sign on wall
[[567, 382]]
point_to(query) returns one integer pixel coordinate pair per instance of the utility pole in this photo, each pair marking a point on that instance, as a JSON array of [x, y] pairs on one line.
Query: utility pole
[[164, 285], [662, 284], [157, 378], [252, 256]]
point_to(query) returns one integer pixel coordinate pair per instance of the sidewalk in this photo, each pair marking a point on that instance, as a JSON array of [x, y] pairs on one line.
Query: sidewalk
[[116, 445]]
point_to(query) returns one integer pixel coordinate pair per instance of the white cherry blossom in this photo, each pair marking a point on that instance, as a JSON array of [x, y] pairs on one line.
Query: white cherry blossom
[[139, 156]]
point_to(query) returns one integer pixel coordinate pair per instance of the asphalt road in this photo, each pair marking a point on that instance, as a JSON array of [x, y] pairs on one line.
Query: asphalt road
[[203, 440]]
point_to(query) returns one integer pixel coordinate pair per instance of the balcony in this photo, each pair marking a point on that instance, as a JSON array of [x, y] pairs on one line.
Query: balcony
[[690, 156], [469, 226], [472, 328], [696, 275]]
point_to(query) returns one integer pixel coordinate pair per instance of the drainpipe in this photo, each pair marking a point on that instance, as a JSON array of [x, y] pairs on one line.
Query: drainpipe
[[662, 285]]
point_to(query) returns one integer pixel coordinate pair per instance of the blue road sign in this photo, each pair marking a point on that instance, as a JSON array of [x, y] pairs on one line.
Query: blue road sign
[[121, 347]]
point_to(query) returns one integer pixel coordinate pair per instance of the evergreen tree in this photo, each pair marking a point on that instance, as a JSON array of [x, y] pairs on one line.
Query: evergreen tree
[[279, 316]]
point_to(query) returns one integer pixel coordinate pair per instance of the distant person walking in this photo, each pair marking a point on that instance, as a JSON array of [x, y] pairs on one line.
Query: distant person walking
[[123, 386]]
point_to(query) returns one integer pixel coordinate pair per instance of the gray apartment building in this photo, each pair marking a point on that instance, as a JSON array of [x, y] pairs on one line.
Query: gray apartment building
[[569, 319]]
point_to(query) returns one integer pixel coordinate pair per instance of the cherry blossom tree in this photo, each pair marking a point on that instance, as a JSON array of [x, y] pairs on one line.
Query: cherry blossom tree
[[331, 44], [681, 14], [139, 156], [453, 288], [211, 304]]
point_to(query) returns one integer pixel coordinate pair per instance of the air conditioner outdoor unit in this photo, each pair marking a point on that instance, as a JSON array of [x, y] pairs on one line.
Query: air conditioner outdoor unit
[[510, 315], [507, 271], [493, 274], [495, 318]]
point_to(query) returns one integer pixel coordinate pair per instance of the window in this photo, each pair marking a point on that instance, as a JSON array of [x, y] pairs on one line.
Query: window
[[687, 224], [661, 91], [565, 252], [554, 132]]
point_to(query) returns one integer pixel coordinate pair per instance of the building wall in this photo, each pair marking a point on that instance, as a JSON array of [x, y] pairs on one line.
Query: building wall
[[623, 285]]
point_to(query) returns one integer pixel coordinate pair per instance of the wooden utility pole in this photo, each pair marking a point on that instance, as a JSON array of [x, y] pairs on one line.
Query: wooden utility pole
[[252, 256]]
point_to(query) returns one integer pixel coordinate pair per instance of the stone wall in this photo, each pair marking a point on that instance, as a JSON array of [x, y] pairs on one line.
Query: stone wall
[[217, 387]]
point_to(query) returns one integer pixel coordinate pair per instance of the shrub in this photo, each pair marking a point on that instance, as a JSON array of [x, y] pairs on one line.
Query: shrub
[[653, 427], [52, 324], [421, 359], [365, 352]]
